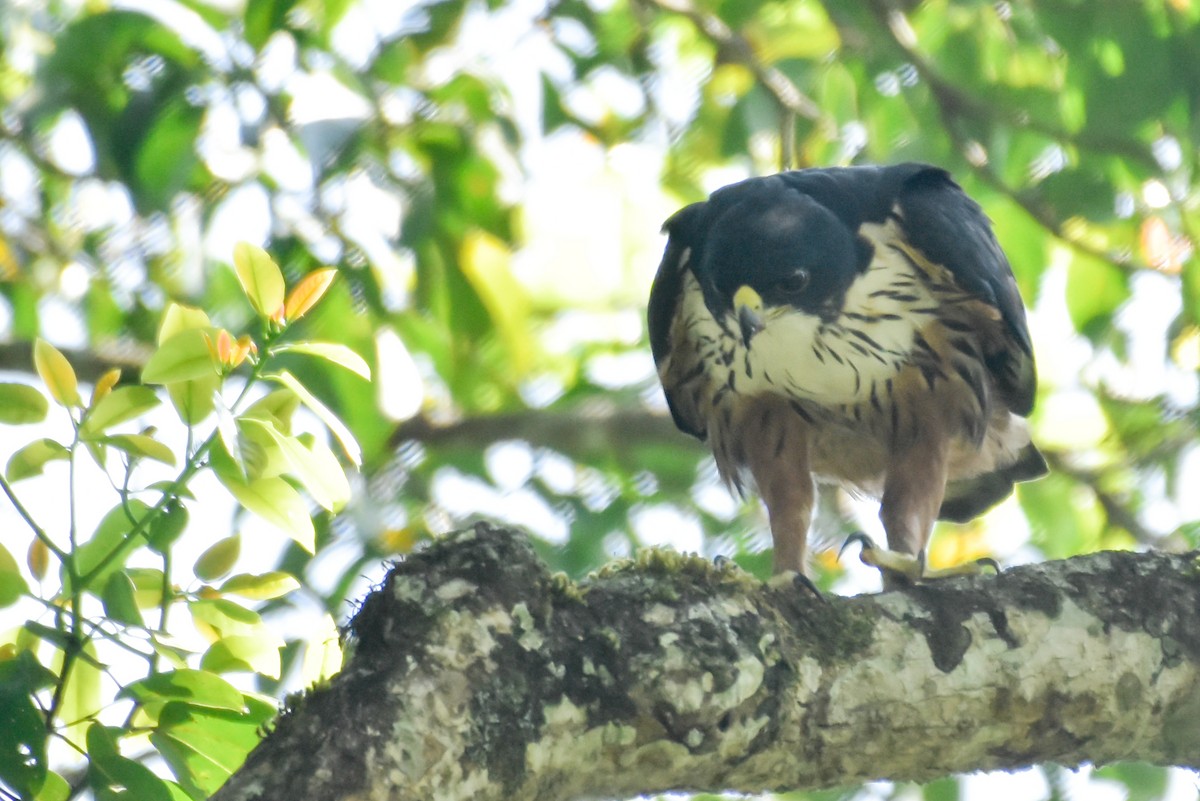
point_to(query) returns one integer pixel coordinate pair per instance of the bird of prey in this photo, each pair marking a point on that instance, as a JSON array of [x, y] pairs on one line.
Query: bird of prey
[[855, 325]]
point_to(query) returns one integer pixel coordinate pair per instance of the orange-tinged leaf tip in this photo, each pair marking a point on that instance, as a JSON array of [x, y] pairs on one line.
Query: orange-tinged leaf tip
[[306, 293], [224, 347], [105, 384]]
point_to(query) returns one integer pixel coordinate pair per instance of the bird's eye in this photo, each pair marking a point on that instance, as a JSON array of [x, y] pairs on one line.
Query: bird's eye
[[793, 284]]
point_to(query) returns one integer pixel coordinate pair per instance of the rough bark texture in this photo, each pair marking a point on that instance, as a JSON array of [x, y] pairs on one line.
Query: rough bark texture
[[478, 675]]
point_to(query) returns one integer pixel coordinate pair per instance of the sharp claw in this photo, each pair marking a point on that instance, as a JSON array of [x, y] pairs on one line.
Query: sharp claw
[[988, 561], [807, 583], [861, 538]]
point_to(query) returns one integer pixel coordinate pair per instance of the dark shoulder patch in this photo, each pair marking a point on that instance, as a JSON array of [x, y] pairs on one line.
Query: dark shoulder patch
[[856, 195]]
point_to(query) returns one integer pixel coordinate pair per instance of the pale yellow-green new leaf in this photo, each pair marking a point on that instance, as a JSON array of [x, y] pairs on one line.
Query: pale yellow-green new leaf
[[178, 318], [81, 699], [260, 278], [21, 404], [318, 471], [262, 587], [330, 352], [141, 445], [193, 400], [118, 406], [274, 500], [240, 652], [184, 356], [331, 420], [29, 460], [57, 373], [486, 262], [276, 407], [322, 653]]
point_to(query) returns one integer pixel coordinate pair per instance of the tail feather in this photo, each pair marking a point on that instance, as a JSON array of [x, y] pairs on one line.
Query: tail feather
[[971, 497]]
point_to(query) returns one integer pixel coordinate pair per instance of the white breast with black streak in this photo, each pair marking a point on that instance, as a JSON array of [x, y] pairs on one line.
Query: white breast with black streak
[[831, 364]]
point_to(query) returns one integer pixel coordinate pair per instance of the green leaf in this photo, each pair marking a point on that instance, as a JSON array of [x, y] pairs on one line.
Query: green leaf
[[166, 162], [226, 618], [113, 776], [178, 318], [227, 429], [111, 537], [277, 407], [12, 583], [322, 652], [193, 687], [242, 653], [260, 278], [167, 527], [193, 400], [59, 639], [218, 559], [1095, 289], [263, 18], [118, 406], [261, 454], [185, 356], [485, 262], [21, 404], [29, 460], [23, 735], [147, 586], [262, 587], [82, 697], [331, 421], [55, 788], [205, 746], [56, 372], [1142, 782], [333, 352], [274, 500], [119, 601], [317, 469], [141, 445]]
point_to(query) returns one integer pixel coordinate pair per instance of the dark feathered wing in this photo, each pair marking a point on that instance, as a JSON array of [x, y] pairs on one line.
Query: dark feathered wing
[[666, 293], [950, 229]]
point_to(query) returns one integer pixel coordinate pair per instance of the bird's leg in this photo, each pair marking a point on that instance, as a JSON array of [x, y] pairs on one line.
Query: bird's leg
[[786, 484], [789, 502], [912, 495]]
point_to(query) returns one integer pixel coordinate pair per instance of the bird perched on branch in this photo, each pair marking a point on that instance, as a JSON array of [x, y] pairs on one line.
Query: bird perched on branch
[[856, 325]]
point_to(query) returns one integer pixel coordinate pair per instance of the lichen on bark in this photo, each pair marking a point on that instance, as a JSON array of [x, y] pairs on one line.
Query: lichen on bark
[[477, 674]]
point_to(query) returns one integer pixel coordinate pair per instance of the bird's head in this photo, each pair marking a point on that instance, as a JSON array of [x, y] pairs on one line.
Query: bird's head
[[772, 251]]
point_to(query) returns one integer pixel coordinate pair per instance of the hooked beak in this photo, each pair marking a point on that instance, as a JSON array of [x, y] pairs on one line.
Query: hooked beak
[[749, 308]]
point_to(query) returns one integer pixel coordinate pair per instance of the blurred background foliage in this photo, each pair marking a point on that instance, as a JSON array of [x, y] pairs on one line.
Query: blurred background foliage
[[489, 179]]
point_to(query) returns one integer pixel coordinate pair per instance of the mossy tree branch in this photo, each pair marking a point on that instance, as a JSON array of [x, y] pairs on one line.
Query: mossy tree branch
[[478, 675]]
